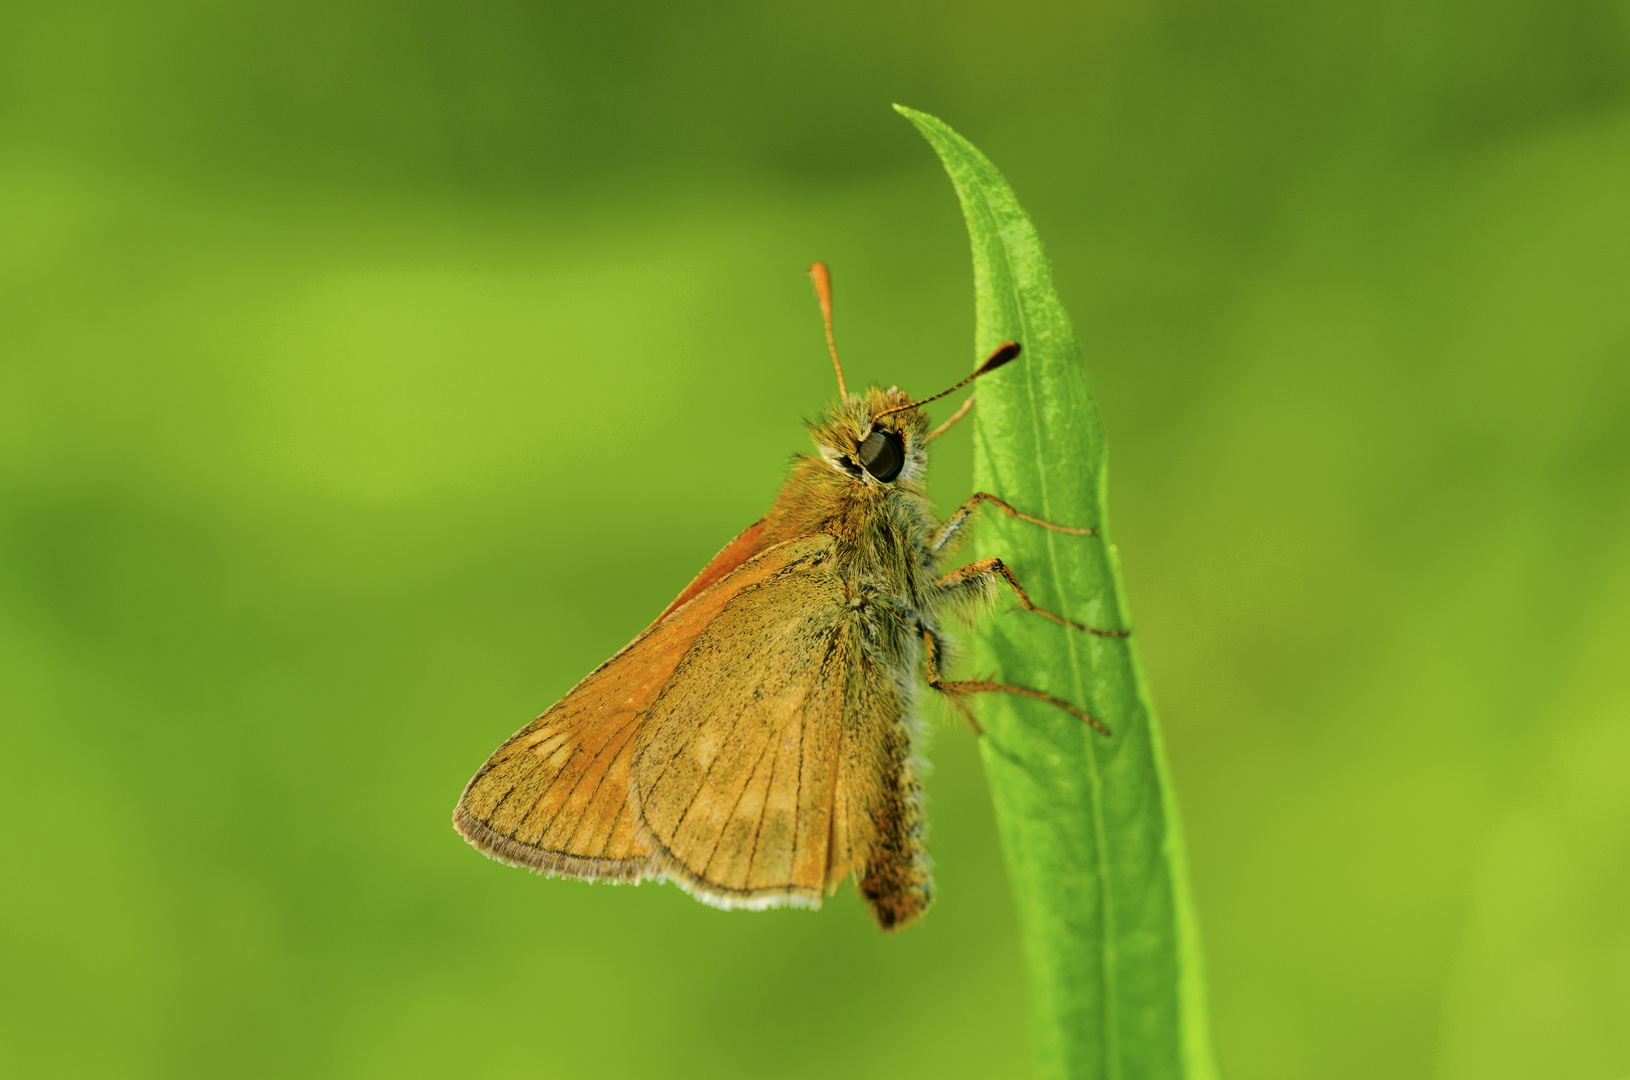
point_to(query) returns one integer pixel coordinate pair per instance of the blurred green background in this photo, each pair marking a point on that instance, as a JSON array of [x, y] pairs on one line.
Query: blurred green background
[[371, 371]]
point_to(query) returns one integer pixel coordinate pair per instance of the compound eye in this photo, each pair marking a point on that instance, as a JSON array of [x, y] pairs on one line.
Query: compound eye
[[883, 455]]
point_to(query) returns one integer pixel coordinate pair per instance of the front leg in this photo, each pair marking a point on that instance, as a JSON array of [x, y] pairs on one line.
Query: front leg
[[977, 581], [959, 517]]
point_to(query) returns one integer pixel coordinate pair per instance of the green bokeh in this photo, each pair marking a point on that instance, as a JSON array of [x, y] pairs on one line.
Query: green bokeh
[[369, 372]]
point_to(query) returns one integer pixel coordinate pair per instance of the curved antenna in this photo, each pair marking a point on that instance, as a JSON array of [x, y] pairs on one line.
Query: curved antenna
[[951, 423], [823, 292], [1006, 351]]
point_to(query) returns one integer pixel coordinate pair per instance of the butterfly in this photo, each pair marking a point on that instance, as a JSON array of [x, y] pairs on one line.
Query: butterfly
[[755, 744]]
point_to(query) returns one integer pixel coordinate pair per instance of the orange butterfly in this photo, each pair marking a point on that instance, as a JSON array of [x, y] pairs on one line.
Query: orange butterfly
[[754, 743]]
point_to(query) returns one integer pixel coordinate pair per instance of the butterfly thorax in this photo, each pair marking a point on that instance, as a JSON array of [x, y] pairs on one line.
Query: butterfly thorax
[[883, 528]]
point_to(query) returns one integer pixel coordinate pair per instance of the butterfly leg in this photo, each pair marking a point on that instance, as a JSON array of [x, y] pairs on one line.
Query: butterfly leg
[[978, 578], [932, 649], [954, 690], [959, 518]]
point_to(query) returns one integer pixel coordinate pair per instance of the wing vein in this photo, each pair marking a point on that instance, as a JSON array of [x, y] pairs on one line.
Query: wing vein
[[493, 813], [577, 752], [707, 775], [605, 844], [758, 828], [798, 792]]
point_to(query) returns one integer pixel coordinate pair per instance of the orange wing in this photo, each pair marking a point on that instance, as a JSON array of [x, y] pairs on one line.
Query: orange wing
[[776, 760], [554, 798]]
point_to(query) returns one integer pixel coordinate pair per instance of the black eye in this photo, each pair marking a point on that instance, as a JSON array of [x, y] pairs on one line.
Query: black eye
[[883, 455]]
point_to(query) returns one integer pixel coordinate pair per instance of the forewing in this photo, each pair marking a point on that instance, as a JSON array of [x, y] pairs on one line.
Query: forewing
[[555, 796], [748, 778]]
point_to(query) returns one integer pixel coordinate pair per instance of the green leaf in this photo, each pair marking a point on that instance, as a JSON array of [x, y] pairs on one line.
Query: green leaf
[[1089, 823]]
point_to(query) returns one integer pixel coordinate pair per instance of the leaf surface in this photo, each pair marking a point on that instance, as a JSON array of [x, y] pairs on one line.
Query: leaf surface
[[1089, 824]]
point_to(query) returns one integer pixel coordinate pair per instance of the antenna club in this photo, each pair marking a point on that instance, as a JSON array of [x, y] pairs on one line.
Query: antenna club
[[1007, 350]]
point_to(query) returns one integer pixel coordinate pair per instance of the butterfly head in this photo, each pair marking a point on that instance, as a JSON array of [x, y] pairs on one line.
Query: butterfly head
[[877, 440], [880, 439]]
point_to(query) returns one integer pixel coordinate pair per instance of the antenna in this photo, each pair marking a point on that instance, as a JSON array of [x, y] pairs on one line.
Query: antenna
[[823, 292], [951, 423], [1006, 351]]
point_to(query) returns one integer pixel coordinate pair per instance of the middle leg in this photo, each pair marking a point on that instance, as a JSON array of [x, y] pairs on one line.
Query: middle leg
[[977, 578]]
